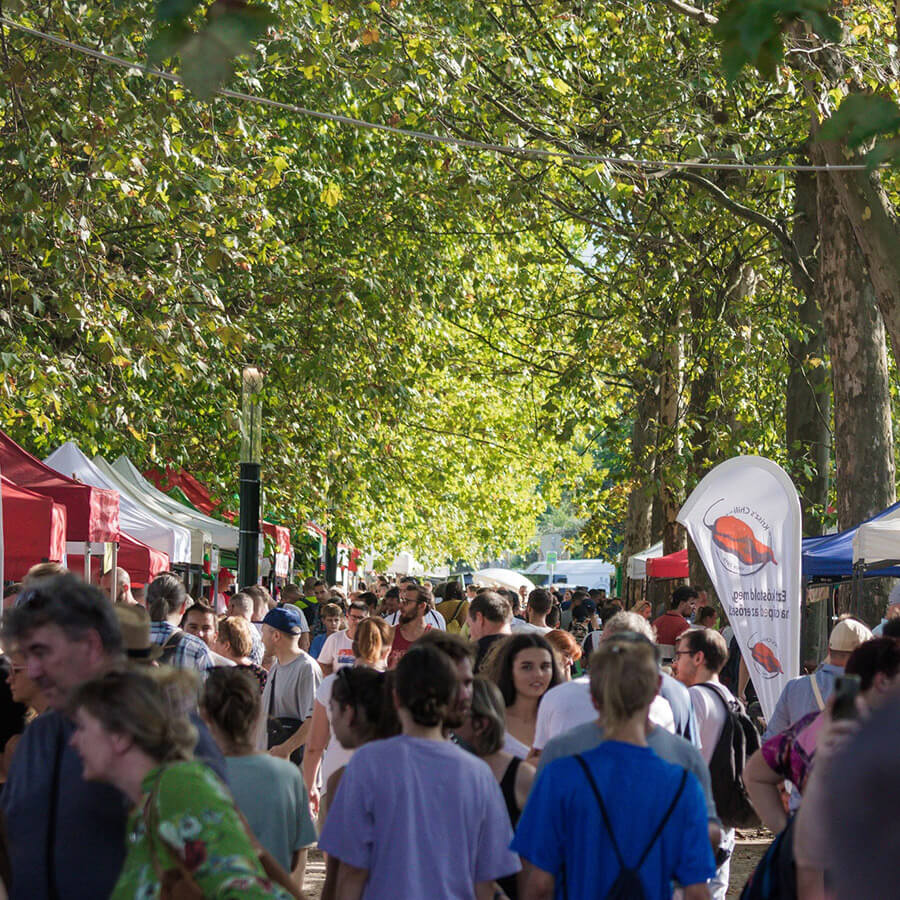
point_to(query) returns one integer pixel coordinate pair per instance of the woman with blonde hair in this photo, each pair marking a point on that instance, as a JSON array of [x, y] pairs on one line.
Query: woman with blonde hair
[[371, 647], [184, 828], [234, 641], [643, 608], [621, 818]]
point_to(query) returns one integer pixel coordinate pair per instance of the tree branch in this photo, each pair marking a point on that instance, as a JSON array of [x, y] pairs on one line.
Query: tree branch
[[699, 15], [789, 249]]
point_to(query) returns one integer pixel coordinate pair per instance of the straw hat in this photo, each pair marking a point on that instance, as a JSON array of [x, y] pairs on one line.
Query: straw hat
[[134, 622]]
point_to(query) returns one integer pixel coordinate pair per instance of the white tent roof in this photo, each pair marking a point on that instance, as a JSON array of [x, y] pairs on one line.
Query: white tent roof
[[134, 518], [593, 573], [405, 564], [199, 536], [225, 536], [878, 541], [637, 564], [507, 578]]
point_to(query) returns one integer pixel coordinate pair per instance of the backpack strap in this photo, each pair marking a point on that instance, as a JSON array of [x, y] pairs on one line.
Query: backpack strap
[[816, 692], [602, 806], [709, 687], [612, 837], [665, 818]]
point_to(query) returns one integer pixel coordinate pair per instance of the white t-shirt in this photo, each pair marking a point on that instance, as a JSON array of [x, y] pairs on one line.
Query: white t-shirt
[[335, 755], [518, 626], [514, 746], [710, 712], [432, 618], [337, 651], [568, 705]]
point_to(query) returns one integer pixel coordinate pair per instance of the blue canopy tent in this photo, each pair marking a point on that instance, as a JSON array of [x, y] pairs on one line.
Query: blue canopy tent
[[830, 557]]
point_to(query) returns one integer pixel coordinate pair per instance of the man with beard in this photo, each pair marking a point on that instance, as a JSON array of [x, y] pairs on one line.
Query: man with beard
[[411, 623]]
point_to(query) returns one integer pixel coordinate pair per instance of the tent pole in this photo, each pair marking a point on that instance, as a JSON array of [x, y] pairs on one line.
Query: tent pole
[[87, 561], [113, 583]]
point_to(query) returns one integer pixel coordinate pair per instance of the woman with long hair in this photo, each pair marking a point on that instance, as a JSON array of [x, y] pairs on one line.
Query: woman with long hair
[[483, 731], [267, 790], [371, 646], [524, 669], [184, 826], [420, 796], [617, 820]]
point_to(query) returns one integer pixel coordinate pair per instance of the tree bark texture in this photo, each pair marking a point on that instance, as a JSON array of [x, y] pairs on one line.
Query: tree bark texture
[[808, 401], [863, 439], [669, 463]]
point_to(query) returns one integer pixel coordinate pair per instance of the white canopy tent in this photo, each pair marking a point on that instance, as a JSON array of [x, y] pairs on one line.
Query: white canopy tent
[[405, 564], [200, 537], [223, 535], [636, 568], [878, 541], [134, 518], [507, 578]]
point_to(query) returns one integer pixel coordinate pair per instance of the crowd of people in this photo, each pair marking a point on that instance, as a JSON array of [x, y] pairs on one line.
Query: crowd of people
[[453, 742]]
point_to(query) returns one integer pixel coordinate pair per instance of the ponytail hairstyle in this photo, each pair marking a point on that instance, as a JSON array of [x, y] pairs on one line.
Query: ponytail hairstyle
[[369, 693], [230, 700], [426, 684], [624, 677], [373, 634], [143, 708]]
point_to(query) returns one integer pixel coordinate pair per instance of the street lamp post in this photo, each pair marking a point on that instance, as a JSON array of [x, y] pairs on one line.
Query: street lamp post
[[251, 446]]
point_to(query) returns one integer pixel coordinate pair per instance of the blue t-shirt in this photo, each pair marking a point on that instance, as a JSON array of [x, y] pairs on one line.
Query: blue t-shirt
[[562, 825], [315, 648]]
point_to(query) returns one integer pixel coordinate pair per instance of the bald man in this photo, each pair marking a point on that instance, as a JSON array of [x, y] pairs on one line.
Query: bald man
[[123, 586]]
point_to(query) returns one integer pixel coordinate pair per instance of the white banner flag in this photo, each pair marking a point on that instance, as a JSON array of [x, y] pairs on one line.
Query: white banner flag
[[744, 518]]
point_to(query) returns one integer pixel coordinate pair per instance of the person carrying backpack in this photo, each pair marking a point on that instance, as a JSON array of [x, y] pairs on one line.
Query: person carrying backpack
[[616, 821], [727, 737]]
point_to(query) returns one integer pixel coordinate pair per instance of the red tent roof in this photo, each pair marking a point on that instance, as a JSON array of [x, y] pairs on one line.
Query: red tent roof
[[199, 495], [196, 492], [142, 563], [279, 534], [675, 565], [92, 513], [34, 530]]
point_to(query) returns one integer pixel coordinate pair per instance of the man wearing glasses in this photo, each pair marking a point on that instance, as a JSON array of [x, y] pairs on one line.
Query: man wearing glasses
[[337, 650], [433, 618]]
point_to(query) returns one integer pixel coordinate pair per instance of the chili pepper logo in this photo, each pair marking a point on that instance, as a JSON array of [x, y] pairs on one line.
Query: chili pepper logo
[[738, 548], [762, 655], [735, 536]]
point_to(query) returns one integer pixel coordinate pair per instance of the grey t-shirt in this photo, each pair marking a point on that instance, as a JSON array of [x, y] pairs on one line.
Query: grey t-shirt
[[290, 690], [671, 747], [271, 795]]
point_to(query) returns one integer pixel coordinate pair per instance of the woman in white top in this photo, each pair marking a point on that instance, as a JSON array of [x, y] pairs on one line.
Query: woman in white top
[[371, 647], [524, 669]]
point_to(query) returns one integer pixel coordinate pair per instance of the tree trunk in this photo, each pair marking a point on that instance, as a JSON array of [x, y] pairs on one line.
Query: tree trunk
[[643, 455], [669, 462], [864, 447], [808, 402]]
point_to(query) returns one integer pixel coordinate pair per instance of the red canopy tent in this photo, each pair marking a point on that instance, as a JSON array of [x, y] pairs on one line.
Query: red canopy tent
[[280, 535], [92, 514], [675, 565], [142, 563], [34, 530], [195, 491]]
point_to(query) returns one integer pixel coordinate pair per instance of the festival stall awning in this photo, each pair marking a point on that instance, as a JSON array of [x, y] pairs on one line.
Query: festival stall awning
[[507, 578], [876, 544], [636, 567], [196, 492], [142, 563], [674, 565], [223, 535], [92, 513], [832, 556], [34, 530], [137, 521]]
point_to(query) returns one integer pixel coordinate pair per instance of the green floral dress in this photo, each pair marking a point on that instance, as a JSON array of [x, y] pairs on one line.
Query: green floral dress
[[193, 813]]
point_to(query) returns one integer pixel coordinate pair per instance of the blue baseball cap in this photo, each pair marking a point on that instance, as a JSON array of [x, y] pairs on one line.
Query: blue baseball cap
[[284, 618]]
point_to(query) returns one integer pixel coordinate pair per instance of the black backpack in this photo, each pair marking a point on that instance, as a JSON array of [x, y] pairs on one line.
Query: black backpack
[[628, 884], [738, 741]]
